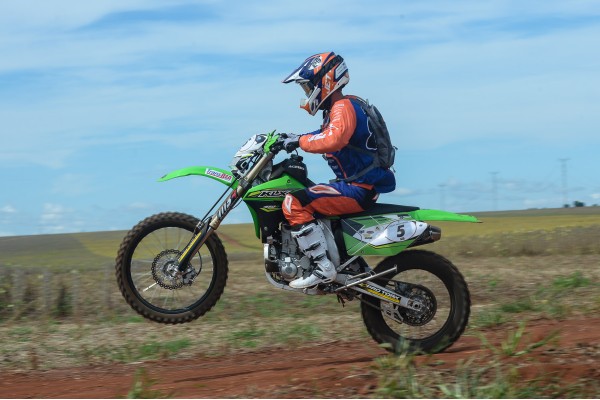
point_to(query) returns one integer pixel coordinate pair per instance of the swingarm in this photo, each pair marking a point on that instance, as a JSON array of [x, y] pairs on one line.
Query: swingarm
[[367, 287]]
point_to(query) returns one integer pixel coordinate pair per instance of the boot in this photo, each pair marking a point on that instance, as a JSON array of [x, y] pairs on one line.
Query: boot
[[311, 241]]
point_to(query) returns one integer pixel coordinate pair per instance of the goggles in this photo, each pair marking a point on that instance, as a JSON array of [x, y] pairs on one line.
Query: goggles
[[307, 87]]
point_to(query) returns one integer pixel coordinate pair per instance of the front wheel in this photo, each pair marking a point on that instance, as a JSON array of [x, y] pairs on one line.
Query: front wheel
[[149, 277], [435, 283]]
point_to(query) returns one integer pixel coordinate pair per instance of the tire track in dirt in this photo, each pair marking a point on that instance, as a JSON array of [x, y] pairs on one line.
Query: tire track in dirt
[[336, 369]]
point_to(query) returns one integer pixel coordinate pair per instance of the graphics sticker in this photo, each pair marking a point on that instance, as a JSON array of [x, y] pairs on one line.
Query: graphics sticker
[[219, 175], [270, 194]]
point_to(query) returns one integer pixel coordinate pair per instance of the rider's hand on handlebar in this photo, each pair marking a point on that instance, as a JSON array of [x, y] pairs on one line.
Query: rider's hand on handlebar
[[290, 142]]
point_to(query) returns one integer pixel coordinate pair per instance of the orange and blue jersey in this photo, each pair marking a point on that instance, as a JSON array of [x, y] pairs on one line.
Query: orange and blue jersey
[[346, 124], [344, 127]]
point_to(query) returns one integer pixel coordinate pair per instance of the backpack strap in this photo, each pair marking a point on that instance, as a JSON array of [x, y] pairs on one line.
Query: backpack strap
[[363, 105], [357, 175]]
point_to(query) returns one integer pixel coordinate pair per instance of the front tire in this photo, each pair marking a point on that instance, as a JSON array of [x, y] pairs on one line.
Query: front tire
[[147, 275], [436, 282]]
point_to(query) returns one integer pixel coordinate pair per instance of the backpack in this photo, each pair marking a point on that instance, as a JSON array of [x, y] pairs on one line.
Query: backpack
[[386, 151]]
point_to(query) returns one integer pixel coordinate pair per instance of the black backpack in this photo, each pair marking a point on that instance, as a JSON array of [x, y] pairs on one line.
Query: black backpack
[[386, 151]]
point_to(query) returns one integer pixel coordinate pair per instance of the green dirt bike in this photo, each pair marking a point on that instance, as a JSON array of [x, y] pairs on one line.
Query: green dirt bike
[[172, 267]]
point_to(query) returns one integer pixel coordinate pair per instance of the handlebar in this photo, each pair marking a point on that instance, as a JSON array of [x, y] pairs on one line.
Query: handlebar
[[279, 143]]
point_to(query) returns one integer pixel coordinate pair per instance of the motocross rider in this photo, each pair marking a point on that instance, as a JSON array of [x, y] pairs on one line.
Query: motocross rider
[[344, 129]]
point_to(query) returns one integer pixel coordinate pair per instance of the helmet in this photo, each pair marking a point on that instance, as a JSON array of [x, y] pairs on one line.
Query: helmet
[[319, 75]]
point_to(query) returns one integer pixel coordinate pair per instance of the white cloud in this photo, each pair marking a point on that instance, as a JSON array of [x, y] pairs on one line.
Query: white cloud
[[400, 191], [536, 87], [56, 218], [139, 206], [431, 77], [73, 185], [83, 75], [8, 209], [541, 202]]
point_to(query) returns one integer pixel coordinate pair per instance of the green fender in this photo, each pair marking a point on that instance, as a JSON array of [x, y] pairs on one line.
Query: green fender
[[439, 215], [218, 174], [359, 231]]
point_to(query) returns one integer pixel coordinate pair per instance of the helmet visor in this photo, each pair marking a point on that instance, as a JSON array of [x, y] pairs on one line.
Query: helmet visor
[[307, 87]]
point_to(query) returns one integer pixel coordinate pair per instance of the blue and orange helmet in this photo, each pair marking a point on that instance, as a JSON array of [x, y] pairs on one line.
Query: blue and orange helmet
[[319, 75]]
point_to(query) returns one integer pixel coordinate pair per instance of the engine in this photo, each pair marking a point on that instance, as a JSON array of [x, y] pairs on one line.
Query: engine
[[284, 257], [285, 261]]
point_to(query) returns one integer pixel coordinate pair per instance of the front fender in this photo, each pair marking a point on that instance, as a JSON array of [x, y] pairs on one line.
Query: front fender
[[218, 174]]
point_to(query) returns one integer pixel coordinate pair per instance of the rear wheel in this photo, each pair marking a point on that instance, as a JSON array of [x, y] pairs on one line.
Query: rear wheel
[[436, 284], [149, 278]]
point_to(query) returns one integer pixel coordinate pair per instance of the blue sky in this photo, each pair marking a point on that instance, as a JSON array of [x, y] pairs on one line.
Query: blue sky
[[99, 99]]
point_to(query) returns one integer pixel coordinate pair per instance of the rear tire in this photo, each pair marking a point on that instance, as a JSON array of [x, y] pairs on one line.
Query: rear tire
[[435, 278], [151, 288]]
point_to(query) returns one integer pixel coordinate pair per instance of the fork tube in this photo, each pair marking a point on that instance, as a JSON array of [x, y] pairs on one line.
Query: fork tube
[[218, 217], [207, 230], [239, 192], [193, 246]]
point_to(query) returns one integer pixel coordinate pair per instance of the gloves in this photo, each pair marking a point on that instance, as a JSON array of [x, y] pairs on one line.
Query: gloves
[[290, 142]]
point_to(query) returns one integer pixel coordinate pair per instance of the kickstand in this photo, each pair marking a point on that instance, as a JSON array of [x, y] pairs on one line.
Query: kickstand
[[341, 300]]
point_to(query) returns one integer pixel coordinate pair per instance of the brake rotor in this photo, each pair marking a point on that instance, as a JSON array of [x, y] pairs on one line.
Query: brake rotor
[[427, 306], [165, 271]]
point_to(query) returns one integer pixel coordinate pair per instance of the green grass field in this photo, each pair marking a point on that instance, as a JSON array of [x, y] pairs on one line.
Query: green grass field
[[557, 231], [520, 266]]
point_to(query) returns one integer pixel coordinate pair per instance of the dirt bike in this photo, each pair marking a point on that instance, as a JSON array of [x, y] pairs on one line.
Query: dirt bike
[[172, 267]]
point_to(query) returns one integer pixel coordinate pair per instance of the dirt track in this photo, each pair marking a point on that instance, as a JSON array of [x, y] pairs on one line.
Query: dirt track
[[338, 369]]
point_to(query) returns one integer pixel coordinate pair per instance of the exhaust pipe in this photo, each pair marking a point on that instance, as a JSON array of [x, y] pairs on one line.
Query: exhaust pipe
[[430, 235]]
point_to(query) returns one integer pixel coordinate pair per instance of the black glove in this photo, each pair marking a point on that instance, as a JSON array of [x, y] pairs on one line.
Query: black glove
[[291, 141]]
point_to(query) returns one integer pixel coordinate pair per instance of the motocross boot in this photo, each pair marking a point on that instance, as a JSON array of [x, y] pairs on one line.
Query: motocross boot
[[311, 241]]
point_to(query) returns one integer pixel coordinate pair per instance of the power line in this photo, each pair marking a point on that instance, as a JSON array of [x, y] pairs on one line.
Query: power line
[[565, 193], [442, 197], [494, 191]]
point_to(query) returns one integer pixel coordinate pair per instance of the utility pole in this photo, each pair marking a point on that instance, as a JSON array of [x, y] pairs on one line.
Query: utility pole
[[442, 199], [563, 162], [494, 191]]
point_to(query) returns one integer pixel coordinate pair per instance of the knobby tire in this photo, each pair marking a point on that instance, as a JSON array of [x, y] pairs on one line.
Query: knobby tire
[[131, 294], [456, 321]]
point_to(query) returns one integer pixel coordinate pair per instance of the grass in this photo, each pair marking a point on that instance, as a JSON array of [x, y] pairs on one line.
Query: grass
[[498, 376], [512, 346], [518, 268], [253, 315], [529, 232], [142, 387]]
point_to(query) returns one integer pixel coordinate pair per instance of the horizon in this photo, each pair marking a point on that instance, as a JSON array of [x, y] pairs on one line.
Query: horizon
[[493, 106], [537, 212]]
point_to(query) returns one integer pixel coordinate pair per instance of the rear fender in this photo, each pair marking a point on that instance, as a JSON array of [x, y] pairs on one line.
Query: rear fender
[[218, 174], [439, 215], [390, 233]]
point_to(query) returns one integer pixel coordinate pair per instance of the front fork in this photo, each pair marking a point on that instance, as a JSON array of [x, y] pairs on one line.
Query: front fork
[[205, 230]]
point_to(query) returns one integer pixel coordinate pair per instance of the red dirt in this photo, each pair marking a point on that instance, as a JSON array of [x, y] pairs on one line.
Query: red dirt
[[334, 370]]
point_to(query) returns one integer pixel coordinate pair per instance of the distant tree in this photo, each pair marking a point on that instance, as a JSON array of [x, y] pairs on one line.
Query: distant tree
[[566, 206], [578, 204]]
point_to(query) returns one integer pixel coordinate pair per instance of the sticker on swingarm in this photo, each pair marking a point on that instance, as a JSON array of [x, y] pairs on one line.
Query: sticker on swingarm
[[389, 295], [381, 292]]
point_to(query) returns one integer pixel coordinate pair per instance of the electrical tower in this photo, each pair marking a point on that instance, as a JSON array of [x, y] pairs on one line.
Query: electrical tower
[[442, 196], [565, 187], [494, 191]]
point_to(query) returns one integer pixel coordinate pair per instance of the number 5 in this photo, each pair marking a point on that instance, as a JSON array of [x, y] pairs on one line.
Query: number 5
[[401, 231]]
